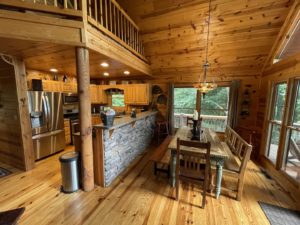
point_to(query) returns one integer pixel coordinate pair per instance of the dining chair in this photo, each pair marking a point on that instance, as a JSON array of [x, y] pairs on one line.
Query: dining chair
[[193, 166]]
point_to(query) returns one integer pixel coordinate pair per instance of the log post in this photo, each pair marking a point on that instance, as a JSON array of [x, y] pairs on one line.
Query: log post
[[85, 120]]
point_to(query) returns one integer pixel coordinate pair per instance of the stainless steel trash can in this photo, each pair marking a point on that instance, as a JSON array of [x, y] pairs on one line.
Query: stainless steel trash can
[[69, 172]]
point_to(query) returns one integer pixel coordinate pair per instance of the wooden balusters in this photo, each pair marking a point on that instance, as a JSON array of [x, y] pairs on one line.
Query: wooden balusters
[[109, 15]]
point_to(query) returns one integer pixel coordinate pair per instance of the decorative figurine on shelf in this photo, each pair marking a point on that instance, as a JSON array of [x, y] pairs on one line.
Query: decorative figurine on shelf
[[65, 78]]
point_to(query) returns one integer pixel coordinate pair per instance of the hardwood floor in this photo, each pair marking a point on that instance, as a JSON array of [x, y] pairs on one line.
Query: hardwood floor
[[137, 197]]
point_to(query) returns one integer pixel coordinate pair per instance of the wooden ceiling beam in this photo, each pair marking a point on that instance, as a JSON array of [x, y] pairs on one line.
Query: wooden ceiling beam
[[284, 34]]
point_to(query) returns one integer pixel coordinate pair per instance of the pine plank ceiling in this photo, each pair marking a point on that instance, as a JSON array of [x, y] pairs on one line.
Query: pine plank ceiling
[[174, 31]]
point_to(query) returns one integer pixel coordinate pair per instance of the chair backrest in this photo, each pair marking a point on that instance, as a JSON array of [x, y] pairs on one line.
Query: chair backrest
[[191, 160], [238, 146]]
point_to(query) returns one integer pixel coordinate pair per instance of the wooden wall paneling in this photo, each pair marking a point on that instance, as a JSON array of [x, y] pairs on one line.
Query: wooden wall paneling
[[15, 140], [242, 35]]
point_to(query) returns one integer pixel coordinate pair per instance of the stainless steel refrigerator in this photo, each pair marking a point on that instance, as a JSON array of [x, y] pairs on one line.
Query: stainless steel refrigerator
[[47, 122]]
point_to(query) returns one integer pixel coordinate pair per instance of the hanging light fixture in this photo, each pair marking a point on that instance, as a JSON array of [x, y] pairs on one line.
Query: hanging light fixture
[[205, 86]]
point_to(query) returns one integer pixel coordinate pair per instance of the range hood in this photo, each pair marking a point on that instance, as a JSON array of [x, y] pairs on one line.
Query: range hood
[[113, 91]]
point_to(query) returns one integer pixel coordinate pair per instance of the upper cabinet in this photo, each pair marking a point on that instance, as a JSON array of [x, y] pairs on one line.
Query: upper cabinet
[[70, 87], [98, 94], [134, 94], [138, 94]]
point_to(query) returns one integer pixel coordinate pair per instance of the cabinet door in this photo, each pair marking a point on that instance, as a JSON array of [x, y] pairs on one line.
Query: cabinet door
[[74, 88], [102, 95], [94, 93], [142, 94], [47, 85], [130, 94]]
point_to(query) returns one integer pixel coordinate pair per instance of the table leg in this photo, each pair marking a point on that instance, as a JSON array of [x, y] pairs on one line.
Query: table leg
[[219, 178], [173, 168]]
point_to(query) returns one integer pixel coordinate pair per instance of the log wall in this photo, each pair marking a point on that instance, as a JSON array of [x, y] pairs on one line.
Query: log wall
[[15, 133]]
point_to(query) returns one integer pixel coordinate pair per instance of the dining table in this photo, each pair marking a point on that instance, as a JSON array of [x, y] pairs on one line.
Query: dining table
[[218, 154]]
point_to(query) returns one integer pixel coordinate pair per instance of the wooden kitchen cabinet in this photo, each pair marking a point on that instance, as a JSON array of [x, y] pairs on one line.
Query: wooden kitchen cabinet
[[67, 131], [98, 94], [96, 119], [138, 94], [102, 95], [69, 87], [52, 86], [94, 93]]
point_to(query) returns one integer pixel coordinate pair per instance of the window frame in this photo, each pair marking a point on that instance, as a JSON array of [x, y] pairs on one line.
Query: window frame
[[294, 85], [271, 121]]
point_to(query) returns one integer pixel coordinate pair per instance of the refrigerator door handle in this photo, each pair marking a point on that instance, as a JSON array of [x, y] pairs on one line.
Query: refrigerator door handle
[[48, 111], [45, 108]]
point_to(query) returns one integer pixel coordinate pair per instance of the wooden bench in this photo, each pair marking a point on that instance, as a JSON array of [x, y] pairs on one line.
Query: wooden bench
[[161, 155], [239, 152]]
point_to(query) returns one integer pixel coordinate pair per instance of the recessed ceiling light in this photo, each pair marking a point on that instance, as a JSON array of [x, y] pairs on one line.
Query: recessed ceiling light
[[53, 70], [105, 74], [104, 64], [126, 72]]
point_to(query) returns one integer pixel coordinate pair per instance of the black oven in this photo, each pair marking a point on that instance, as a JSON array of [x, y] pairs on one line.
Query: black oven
[[70, 98]]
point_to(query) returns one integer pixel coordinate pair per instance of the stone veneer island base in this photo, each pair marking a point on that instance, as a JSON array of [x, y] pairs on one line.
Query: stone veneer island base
[[117, 146]]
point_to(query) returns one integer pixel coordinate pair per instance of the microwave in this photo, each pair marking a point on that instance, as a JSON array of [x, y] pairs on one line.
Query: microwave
[[70, 99]]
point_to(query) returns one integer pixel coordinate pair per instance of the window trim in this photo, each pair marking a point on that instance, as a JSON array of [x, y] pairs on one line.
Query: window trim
[[271, 122]]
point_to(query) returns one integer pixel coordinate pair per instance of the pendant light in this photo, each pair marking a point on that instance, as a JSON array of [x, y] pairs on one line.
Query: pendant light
[[205, 86]]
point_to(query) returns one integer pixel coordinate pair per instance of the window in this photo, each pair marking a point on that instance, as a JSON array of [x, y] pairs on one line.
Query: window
[[275, 120], [184, 105], [118, 100], [291, 163], [214, 109]]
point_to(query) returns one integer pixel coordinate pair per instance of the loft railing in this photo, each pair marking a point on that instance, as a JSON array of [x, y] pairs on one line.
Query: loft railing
[[110, 18], [61, 7], [216, 123]]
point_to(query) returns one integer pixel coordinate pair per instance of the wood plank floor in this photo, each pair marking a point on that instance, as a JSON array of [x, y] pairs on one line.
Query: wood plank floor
[[137, 197]]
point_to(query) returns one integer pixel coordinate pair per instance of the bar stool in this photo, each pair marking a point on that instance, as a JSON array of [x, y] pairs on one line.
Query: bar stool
[[162, 130]]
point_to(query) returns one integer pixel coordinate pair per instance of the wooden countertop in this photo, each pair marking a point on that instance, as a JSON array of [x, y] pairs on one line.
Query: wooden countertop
[[119, 122]]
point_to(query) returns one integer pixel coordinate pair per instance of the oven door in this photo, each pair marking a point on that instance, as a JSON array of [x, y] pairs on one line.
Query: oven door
[[70, 98]]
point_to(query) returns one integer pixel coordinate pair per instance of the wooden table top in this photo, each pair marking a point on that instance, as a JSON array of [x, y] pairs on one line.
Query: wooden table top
[[184, 133]]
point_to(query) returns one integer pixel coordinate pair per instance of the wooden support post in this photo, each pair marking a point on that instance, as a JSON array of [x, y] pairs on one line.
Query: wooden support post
[[25, 123], [85, 118], [171, 108]]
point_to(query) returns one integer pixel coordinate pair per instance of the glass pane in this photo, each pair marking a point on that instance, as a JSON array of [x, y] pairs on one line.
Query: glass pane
[[118, 100], [296, 116], [184, 105], [280, 94], [214, 109], [185, 100], [274, 142], [292, 163]]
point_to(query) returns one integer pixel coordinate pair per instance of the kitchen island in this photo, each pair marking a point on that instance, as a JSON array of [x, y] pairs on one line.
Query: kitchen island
[[117, 146]]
